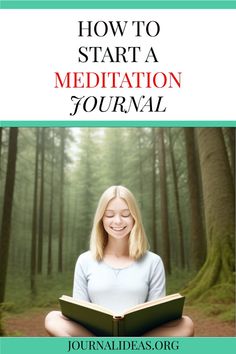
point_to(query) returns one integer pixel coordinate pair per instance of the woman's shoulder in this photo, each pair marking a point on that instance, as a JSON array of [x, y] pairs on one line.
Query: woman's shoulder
[[85, 257], [151, 257], [85, 262], [152, 263]]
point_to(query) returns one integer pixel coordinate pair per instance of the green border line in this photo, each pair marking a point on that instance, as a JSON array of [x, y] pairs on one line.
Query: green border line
[[118, 123], [116, 4]]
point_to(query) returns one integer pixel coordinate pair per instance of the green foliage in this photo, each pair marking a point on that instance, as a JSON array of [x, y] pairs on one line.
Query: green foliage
[[49, 289], [7, 306], [225, 312], [178, 279], [223, 293], [218, 301], [228, 313]]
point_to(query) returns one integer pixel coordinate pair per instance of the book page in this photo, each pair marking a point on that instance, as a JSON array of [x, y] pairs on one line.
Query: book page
[[153, 302], [89, 305]]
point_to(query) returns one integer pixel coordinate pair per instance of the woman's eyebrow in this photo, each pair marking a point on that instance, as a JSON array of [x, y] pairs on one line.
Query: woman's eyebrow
[[114, 210]]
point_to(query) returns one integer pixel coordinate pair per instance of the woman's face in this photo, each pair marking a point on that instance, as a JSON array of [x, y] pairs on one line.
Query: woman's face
[[117, 219]]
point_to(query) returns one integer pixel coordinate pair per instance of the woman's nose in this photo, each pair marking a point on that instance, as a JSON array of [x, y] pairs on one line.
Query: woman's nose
[[117, 218]]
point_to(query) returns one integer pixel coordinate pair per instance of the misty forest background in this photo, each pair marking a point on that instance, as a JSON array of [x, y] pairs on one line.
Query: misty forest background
[[52, 178]]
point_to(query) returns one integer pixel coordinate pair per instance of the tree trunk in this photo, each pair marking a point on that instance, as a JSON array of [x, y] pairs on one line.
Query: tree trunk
[[164, 203], [49, 270], [230, 143], [41, 205], [140, 164], [34, 220], [61, 207], [218, 271], [1, 129], [154, 213], [6, 214], [197, 234], [177, 204]]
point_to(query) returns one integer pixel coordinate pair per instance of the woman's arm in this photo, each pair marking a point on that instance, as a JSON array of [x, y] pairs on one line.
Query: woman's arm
[[157, 282], [80, 286]]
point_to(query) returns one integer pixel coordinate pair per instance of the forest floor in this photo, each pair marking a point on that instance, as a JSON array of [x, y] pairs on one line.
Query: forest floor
[[31, 324]]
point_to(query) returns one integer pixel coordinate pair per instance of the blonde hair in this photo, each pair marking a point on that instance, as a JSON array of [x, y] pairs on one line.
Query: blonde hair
[[138, 243]]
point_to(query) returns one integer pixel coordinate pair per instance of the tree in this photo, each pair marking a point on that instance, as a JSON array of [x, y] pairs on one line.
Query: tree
[[177, 203], [34, 220], [3, 161], [139, 133], [164, 202], [88, 182], [41, 204], [230, 145], [197, 234], [218, 192], [153, 202], [61, 202], [114, 156], [133, 163], [7, 212], [49, 267], [0, 150]]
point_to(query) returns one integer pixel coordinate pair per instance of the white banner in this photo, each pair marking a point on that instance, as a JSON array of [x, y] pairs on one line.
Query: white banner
[[117, 65]]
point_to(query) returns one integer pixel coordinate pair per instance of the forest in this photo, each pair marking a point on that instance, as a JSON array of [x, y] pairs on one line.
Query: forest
[[51, 181]]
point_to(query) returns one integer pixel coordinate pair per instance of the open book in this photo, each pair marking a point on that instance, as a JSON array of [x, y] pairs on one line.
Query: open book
[[133, 322]]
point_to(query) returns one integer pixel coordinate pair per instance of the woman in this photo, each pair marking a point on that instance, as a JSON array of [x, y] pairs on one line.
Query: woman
[[118, 272]]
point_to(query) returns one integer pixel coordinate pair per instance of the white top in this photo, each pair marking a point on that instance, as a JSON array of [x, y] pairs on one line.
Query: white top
[[119, 288]]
